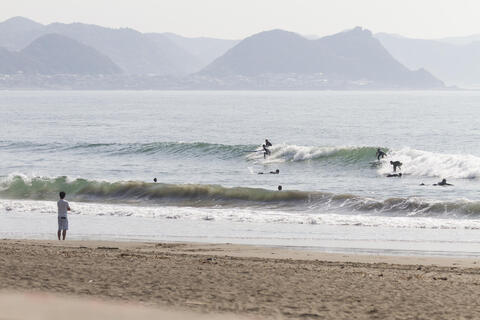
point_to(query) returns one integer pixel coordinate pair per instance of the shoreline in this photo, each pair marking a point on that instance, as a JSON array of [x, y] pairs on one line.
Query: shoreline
[[245, 280], [193, 226]]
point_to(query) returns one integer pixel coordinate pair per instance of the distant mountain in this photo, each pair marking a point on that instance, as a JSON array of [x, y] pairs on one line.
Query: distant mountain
[[353, 55], [461, 40], [57, 54], [204, 49], [18, 32], [182, 59], [132, 51], [15, 62], [455, 64]]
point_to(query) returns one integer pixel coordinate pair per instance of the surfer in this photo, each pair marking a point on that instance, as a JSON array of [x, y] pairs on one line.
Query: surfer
[[443, 183], [268, 143], [398, 175], [396, 164], [266, 152], [380, 154]]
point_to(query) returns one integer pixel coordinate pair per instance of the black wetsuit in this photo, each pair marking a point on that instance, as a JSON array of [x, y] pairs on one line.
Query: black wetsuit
[[443, 183], [268, 143], [380, 154], [266, 151], [396, 164]]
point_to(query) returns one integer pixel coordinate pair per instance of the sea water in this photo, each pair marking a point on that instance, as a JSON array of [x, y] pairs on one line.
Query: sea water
[[105, 147]]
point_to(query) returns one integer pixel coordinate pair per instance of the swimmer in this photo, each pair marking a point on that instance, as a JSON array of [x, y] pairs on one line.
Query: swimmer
[[279, 188], [380, 154], [396, 164], [443, 183], [155, 180]]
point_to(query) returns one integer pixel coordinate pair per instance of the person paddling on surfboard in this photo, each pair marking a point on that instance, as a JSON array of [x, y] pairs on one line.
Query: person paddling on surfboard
[[271, 172], [391, 175], [443, 183]]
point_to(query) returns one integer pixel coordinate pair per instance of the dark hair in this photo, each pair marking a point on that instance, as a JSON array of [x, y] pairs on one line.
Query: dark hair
[[279, 188], [62, 194]]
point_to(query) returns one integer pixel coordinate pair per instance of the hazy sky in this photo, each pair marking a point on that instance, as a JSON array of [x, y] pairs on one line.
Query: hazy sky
[[240, 18]]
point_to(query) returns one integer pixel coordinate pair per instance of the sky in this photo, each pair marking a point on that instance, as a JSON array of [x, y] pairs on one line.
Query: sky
[[236, 19]]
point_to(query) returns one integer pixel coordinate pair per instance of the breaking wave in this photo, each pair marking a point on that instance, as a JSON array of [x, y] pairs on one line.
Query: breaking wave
[[431, 164], [415, 162], [249, 152], [141, 193]]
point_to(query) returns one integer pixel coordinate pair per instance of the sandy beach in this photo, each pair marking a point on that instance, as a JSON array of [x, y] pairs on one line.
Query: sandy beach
[[236, 281]]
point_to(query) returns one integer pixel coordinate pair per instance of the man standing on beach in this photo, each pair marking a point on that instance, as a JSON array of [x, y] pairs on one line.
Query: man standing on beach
[[63, 207]]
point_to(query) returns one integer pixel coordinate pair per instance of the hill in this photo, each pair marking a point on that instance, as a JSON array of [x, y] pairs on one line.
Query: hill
[[204, 49], [350, 56], [18, 32], [57, 54], [455, 64], [134, 52]]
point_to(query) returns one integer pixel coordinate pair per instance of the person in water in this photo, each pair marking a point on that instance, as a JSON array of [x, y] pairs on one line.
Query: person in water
[[398, 175], [396, 164], [380, 154], [271, 172], [266, 152], [443, 183], [155, 180], [268, 143], [279, 188]]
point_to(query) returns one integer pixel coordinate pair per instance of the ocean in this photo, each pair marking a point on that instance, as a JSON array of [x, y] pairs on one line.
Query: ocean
[[104, 148]]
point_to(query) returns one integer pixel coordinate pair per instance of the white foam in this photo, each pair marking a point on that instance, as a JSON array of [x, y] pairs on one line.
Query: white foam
[[431, 164], [237, 215], [285, 152]]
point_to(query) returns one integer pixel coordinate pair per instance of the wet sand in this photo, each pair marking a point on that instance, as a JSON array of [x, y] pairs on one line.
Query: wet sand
[[247, 281]]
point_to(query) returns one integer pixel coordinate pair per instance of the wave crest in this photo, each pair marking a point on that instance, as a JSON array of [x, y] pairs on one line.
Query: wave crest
[[431, 164], [143, 193]]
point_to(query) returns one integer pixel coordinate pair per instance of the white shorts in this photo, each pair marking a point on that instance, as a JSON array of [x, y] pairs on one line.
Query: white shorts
[[62, 223]]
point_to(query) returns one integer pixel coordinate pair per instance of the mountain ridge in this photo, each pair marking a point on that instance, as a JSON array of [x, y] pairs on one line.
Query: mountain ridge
[[350, 55]]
